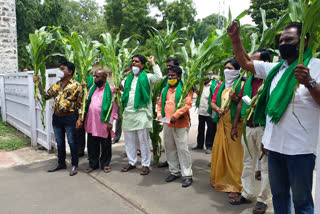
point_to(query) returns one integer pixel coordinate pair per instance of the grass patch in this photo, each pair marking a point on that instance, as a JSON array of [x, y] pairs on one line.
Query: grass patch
[[11, 138]]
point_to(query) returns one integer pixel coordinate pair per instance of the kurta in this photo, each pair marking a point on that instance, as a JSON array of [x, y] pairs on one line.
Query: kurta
[[227, 155], [143, 118]]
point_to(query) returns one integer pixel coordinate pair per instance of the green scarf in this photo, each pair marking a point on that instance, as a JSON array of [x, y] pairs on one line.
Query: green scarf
[[276, 103], [212, 89], [106, 102], [90, 81], [233, 105], [164, 83], [142, 93], [164, 96], [247, 91]]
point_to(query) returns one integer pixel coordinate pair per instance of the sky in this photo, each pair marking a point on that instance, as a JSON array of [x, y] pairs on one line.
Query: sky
[[207, 7]]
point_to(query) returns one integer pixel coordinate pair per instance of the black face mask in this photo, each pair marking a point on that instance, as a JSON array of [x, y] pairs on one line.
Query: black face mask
[[99, 83], [288, 50]]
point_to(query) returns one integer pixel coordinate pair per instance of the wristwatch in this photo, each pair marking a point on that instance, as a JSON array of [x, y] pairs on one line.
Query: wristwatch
[[312, 84]]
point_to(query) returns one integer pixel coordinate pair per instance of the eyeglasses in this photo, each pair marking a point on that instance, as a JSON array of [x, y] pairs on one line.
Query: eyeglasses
[[96, 76]]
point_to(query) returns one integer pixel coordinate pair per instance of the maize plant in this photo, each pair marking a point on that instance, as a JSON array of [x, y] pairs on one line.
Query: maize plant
[[117, 58], [39, 42], [84, 53], [163, 46]]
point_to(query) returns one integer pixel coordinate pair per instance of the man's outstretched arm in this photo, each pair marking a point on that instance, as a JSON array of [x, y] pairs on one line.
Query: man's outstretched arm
[[242, 57]]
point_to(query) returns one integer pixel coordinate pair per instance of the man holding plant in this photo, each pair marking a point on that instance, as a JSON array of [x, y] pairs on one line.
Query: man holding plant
[[292, 146], [137, 113], [98, 123], [67, 95], [175, 133], [253, 152]]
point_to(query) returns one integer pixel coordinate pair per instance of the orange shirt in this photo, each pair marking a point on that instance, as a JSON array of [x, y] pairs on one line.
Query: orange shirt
[[170, 107]]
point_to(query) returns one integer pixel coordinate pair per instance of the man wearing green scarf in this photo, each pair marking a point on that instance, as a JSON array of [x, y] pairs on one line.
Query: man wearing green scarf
[[175, 133], [254, 133], [292, 148], [98, 123], [137, 111], [203, 104]]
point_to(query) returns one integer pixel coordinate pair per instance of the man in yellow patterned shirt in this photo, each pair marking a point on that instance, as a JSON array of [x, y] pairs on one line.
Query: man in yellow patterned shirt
[[67, 94]]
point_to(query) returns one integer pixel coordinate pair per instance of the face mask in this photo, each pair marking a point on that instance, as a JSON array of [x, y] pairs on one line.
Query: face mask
[[288, 50], [135, 70], [99, 83], [60, 74], [172, 82], [230, 77]]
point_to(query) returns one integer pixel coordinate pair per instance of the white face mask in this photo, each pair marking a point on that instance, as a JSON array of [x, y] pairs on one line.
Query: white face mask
[[60, 74], [135, 70], [230, 77]]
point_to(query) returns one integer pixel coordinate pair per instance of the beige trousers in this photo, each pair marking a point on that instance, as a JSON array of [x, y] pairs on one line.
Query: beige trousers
[[254, 137], [177, 152]]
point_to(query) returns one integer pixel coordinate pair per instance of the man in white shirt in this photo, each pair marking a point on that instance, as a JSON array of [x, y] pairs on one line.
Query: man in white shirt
[[291, 146]]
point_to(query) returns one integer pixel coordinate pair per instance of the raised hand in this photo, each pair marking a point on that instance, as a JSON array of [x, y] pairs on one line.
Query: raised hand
[[151, 60], [233, 30]]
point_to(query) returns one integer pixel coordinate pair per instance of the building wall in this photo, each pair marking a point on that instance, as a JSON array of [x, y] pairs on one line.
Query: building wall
[[8, 37]]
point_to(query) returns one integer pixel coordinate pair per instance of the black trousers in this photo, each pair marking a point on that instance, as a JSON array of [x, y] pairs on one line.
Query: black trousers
[[81, 140], [211, 132], [99, 151]]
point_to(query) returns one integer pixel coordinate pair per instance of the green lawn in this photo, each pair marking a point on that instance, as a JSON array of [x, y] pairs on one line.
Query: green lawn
[[11, 138]]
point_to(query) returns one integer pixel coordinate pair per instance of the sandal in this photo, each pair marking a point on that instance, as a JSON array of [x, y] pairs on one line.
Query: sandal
[[260, 208], [239, 200], [233, 195], [145, 170], [128, 168], [106, 169]]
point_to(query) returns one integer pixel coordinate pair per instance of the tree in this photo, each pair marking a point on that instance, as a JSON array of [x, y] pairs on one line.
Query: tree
[[274, 10], [182, 12], [132, 14]]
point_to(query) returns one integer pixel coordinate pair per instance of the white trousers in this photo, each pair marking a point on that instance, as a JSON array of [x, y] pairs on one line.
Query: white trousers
[[254, 137], [131, 138], [177, 152]]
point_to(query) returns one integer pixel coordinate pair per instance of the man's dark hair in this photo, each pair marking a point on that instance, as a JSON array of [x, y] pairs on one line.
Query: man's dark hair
[[142, 59], [264, 55], [70, 66], [297, 25], [27, 68], [174, 60], [234, 63], [176, 69]]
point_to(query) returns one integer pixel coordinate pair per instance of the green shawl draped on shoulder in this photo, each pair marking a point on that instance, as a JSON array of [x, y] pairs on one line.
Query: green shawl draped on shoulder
[[247, 91], [106, 102], [142, 93], [233, 105], [164, 97], [276, 103]]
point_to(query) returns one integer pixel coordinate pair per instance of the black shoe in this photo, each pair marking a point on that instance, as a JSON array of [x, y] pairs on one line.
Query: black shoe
[[186, 182], [171, 178], [58, 167], [163, 164], [73, 171]]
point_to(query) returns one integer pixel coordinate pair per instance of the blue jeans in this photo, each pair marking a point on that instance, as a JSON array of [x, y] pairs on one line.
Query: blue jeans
[[61, 126], [295, 172]]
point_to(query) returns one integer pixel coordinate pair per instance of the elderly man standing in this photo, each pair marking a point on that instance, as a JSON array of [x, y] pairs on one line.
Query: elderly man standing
[[137, 114], [98, 123], [292, 148], [67, 94]]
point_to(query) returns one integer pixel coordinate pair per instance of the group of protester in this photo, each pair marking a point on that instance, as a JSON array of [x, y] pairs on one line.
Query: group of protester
[[289, 149]]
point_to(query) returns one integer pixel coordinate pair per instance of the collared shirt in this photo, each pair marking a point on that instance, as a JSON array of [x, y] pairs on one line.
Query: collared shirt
[[143, 118], [93, 124], [67, 99], [287, 136], [204, 105], [170, 107], [256, 83]]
